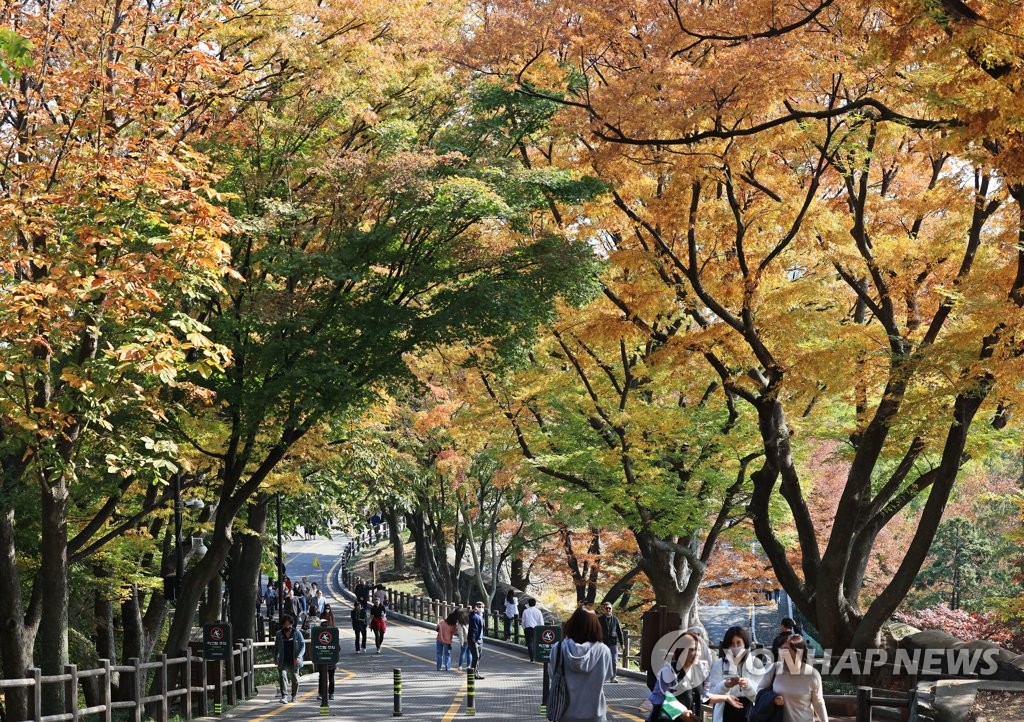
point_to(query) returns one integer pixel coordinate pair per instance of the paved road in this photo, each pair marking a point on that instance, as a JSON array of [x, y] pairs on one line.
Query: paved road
[[510, 689]]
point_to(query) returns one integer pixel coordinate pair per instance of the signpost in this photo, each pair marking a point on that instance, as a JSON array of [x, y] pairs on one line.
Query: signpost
[[326, 649], [544, 639], [217, 648], [217, 642]]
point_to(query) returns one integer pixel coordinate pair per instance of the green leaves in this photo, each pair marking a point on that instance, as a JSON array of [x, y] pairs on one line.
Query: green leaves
[[15, 55]]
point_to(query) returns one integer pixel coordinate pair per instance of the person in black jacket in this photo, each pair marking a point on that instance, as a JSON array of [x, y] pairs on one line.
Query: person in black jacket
[[612, 634], [289, 649], [359, 621], [787, 628], [362, 592]]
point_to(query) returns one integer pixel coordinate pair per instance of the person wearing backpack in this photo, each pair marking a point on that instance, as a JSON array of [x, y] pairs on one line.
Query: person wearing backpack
[[584, 662]]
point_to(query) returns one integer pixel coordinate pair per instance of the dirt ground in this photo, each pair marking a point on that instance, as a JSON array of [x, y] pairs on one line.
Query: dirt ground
[[997, 707]]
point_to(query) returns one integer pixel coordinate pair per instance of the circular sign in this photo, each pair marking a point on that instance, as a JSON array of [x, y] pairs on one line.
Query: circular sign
[[326, 638], [217, 633], [547, 636]]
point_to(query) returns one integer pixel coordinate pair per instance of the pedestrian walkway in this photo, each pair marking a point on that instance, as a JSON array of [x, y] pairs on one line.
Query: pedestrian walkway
[[510, 690]]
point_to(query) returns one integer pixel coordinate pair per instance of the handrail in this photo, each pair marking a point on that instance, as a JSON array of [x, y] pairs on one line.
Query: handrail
[[191, 700]]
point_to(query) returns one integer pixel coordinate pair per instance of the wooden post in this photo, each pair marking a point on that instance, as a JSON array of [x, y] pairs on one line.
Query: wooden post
[[108, 713], [625, 649], [250, 672], [37, 692], [864, 695], [204, 695], [71, 691], [187, 699], [137, 684], [515, 630], [164, 677], [232, 697]]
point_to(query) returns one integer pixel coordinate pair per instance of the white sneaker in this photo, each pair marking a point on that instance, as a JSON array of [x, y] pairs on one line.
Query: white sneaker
[[286, 699]]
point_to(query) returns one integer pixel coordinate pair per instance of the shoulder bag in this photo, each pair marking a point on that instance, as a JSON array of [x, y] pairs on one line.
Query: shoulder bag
[[558, 689]]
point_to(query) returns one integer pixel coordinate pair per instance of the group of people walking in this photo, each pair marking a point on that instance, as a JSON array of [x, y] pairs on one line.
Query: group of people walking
[[301, 599], [689, 676], [467, 625], [290, 650]]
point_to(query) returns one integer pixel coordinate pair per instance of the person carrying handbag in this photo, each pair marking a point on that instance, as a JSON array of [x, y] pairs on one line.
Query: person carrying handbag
[[583, 664], [794, 686]]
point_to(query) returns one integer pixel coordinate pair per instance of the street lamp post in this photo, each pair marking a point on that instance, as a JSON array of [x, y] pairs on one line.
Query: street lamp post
[[198, 548], [280, 564]]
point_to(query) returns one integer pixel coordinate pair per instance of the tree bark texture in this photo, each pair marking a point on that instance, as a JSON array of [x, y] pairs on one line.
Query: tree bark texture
[[246, 558]]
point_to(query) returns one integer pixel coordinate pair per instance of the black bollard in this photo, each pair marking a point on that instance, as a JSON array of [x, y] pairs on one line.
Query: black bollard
[[544, 692], [398, 693], [323, 690], [470, 693]]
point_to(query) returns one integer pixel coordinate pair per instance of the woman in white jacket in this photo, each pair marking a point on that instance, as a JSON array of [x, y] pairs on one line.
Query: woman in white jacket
[[735, 673]]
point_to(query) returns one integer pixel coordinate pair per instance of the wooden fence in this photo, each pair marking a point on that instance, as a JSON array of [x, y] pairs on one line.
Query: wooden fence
[[205, 687]]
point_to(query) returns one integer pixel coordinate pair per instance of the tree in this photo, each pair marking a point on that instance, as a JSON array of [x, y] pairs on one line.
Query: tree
[[840, 238], [956, 561], [108, 224], [370, 226], [615, 432]]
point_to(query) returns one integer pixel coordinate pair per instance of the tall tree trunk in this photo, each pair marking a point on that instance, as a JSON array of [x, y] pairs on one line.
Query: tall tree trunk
[[16, 636], [196, 581], [106, 646], [246, 557], [211, 608], [53, 635], [519, 574], [672, 577], [133, 639], [397, 542]]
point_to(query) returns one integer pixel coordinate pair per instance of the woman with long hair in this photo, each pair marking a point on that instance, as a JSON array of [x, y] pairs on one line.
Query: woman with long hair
[[586, 663], [462, 625], [445, 631], [797, 684], [511, 611], [378, 623], [735, 673]]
